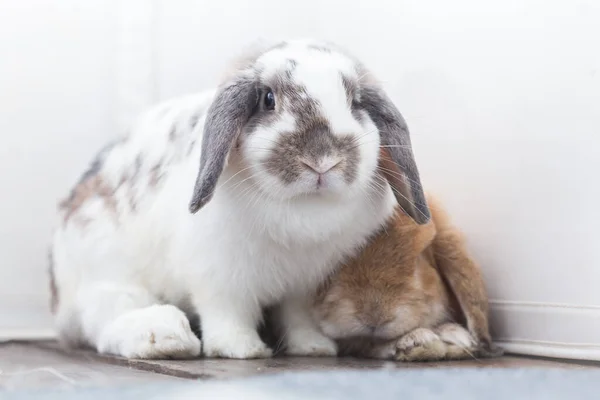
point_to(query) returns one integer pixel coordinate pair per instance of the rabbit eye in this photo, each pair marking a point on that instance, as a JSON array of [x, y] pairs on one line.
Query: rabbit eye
[[269, 100]]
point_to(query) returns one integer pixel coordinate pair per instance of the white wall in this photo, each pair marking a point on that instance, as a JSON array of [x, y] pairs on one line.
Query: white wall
[[56, 85], [502, 98]]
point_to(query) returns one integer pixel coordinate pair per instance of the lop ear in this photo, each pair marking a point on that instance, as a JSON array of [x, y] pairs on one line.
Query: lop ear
[[225, 119], [396, 157]]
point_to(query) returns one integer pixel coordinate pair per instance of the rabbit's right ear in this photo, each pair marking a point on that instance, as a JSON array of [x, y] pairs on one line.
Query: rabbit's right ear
[[232, 107], [396, 157]]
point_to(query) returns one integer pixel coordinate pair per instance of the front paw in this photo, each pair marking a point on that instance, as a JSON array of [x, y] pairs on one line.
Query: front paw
[[158, 331], [310, 343], [243, 345], [420, 344]]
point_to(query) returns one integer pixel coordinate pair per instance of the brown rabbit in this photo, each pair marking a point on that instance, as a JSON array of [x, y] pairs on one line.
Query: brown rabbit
[[408, 295]]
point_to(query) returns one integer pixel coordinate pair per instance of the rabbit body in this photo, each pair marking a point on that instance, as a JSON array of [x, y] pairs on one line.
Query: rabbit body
[[414, 293]]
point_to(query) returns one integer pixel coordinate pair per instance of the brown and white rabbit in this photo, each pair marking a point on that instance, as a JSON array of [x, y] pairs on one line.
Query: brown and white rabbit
[[408, 295]]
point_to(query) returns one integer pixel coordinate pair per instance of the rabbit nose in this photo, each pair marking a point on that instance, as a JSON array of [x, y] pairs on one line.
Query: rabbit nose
[[375, 324], [322, 166]]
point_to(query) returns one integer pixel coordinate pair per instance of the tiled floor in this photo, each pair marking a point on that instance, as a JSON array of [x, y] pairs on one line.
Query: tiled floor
[[45, 364]]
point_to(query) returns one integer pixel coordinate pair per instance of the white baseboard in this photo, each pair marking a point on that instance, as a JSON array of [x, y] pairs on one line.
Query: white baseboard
[[547, 329], [550, 349]]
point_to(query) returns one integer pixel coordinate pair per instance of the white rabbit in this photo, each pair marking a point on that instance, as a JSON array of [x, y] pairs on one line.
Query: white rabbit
[[287, 149]]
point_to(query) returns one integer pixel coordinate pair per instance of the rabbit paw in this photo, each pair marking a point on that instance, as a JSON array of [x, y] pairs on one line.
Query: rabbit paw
[[310, 343], [159, 331], [420, 344], [459, 342], [239, 345]]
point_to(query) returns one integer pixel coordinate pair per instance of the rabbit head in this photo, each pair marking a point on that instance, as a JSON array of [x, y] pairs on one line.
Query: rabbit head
[[307, 120]]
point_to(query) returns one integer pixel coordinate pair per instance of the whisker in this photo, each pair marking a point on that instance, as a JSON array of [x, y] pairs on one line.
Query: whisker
[[416, 183], [379, 186], [466, 350], [408, 201], [366, 133], [233, 176], [269, 140], [399, 174], [360, 78], [243, 180], [257, 148], [279, 345]]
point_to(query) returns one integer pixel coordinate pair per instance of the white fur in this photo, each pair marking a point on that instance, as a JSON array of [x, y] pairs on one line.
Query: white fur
[[156, 331], [302, 335], [256, 243]]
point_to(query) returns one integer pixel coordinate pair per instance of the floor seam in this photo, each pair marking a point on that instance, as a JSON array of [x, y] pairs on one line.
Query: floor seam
[[139, 365]]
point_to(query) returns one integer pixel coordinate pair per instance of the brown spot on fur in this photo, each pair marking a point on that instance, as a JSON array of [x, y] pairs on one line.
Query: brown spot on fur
[[93, 186], [54, 296]]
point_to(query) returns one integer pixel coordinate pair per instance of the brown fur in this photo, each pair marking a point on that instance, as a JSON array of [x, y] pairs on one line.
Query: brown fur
[[409, 277], [93, 185]]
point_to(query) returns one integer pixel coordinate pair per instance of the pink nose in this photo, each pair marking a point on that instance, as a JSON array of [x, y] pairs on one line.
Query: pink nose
[[322, 166]]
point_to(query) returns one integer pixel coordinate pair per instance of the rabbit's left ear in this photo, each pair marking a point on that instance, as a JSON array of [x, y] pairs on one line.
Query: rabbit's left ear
[[232, 107], [396, 157]]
